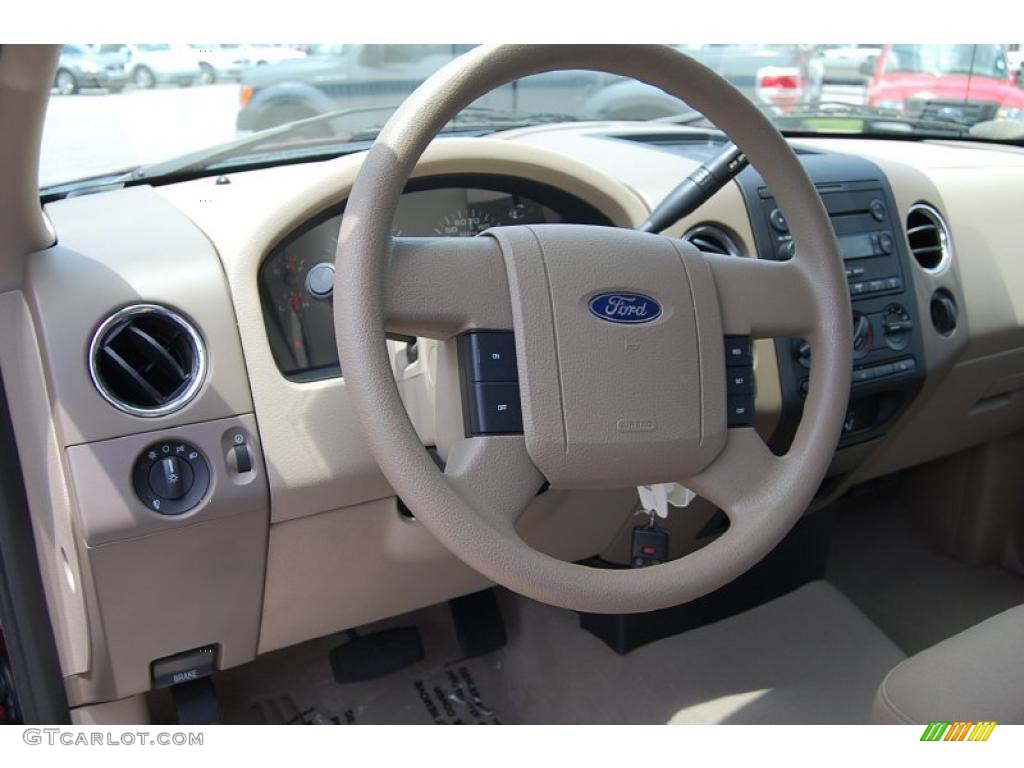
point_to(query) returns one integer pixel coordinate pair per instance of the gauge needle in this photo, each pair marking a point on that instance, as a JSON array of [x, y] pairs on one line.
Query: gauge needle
[[298, 338]]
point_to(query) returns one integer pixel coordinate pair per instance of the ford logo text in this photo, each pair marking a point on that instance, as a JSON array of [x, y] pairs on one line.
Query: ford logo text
[[624, 307]]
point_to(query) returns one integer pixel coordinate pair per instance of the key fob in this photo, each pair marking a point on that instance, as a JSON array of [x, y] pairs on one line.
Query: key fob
[[650, 546]]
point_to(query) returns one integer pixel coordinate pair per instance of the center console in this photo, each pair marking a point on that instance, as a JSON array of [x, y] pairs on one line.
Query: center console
[[888, 359]]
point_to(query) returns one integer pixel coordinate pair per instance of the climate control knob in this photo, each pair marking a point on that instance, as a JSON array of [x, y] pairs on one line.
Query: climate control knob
[[897, 327], [862, 335]]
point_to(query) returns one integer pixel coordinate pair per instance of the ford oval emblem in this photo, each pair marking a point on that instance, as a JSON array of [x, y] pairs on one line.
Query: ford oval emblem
[[624, 307]]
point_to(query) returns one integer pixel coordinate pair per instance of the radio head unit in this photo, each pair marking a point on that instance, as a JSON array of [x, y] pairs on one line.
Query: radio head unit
[[888, 365]]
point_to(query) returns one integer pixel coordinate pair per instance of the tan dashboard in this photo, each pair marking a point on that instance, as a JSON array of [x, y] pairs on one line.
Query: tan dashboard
[[300, 534]]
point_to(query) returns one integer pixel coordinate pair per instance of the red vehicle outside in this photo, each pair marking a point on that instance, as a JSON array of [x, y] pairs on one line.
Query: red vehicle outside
[[961, 83]]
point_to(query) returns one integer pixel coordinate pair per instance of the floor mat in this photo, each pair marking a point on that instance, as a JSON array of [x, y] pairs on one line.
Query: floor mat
[[295, 686], [447, 696], [917, 596], [807, 657]]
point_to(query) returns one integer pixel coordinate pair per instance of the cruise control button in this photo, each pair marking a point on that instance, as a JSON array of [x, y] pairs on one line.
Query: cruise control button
[[737, 350], [740, 411], [495, 408], [739, 380], [492, 356]]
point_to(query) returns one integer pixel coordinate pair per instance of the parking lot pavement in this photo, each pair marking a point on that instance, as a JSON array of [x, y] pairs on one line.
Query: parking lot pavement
[[98, 132]]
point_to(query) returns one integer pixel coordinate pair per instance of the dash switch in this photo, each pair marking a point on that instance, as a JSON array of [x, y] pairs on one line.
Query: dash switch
[[243, 458]]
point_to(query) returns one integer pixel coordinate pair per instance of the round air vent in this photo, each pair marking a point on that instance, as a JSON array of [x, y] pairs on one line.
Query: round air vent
[[929, 239], [147, 360], [712, 239]]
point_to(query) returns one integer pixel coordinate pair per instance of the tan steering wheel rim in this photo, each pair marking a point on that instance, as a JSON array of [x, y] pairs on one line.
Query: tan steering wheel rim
[[442, 288]]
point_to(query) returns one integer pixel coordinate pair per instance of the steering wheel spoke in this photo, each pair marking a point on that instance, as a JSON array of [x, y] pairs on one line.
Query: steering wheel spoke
[[764, 298], [439, 287], [494, 476], [735, 480]]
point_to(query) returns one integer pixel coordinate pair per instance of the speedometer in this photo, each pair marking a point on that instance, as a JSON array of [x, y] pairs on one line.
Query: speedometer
[[465, 222]]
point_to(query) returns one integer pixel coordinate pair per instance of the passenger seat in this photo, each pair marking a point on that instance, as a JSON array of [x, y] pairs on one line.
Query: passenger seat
[[975, 675]]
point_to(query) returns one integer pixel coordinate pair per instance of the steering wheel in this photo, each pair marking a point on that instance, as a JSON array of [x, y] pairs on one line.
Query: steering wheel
[[604, 405]]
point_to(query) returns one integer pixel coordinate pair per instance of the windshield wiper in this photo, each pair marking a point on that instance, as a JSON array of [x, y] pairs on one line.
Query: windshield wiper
[[879, 121]]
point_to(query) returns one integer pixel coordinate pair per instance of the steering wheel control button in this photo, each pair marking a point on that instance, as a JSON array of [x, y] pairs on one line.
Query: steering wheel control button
[[778, 221], [739, 379], [495, 409], [877, 208], [491, 356], [740, 411], [171, 477], [737, 350], [490, 383]]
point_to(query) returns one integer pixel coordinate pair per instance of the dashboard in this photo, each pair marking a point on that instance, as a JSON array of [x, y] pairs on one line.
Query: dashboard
[[297, 278], [300, 534]]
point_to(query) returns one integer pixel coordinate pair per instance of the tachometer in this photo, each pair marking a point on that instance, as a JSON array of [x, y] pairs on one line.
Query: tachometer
[[465, 222]]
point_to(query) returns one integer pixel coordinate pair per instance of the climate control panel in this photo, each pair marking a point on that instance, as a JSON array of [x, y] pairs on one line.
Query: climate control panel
[[888, 365]]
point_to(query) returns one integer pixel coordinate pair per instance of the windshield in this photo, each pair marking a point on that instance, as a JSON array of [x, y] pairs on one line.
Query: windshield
[[161, 110]]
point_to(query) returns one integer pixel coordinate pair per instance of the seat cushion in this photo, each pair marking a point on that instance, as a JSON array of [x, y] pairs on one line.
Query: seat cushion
[[975, 675]]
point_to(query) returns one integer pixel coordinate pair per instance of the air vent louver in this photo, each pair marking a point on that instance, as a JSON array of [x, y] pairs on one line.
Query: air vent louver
[[147, 360], [712, 239], [929, 238]]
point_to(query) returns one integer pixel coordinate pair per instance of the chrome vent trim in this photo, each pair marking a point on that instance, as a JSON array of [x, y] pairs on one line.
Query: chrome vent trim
[[713, 239], [147, 361], [928, 238]]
